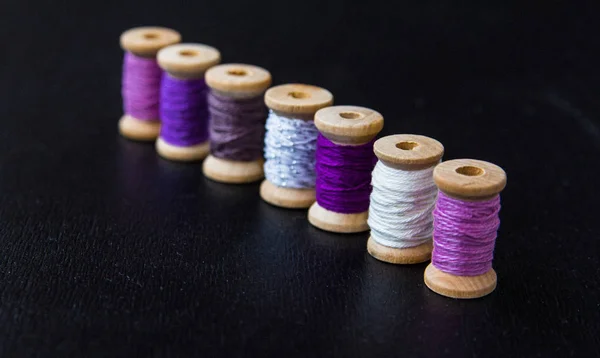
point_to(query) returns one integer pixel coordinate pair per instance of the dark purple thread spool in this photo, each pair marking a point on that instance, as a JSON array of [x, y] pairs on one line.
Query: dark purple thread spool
[[237, 124], [345, 160], [465, 227], [184, 109], [141, 80]]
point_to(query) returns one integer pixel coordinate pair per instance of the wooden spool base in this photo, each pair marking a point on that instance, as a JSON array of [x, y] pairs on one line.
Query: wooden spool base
[[183, 154], [406, 256], [286, 197], [460, 286], [232, 171], [138, 129], [337, 222]]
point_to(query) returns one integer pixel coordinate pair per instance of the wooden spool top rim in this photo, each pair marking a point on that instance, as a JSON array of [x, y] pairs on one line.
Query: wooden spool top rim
[[409, 150], [469, 178], [237, 77], [296, 98], [348, 124], [148, 40], [188, 58]]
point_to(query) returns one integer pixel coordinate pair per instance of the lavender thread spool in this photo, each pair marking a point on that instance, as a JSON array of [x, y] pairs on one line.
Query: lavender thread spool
[[465, 227], [237, 123], [348, 133], [296, 104], [184, 110], [141, 80]]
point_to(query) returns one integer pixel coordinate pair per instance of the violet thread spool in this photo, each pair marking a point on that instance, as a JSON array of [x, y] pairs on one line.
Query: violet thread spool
[[405, 237], [184, 109], [296, 104], [345, 160], [237, 123], [465, 227], [141, 80]]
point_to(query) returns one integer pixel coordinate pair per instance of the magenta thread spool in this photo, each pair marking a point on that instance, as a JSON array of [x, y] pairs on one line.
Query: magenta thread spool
[[237, 123], [466, 222], [183, 102], [344, 163], [141, 80]]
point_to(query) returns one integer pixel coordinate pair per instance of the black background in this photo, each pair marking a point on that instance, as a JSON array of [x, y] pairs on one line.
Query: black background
[[108, 250]]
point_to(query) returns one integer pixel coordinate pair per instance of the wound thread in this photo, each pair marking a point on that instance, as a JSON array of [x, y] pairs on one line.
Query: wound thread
[[184, 111], [290, 146], [140, 87], [401, 204], [237, 127], [464, 235], [343, 173]]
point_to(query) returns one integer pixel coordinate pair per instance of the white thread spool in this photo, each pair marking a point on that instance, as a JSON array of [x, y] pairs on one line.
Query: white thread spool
[[403, 198]]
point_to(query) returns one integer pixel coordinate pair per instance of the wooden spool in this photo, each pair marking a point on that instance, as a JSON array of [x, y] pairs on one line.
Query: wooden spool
[[405, 152], [144, 42], [344, 125], [185, 62], [297, 101], [236, 81], [468, 180]]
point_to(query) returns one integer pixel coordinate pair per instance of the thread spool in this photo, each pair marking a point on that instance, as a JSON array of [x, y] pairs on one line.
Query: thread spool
[[237, 123], [141, 80], [184, 131], [350, 130], [414, 156], [472, 186], [297, 104]]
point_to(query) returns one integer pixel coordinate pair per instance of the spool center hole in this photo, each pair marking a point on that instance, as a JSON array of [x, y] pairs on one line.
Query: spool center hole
[[150, 36], [351, 115], [188, 53], [469, 171], [237, 72], [407, 145], [298, 95]]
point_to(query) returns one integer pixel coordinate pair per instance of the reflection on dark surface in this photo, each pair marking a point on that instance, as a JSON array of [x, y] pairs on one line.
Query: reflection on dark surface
[[335, 241], [283, 275], [386, 301], [157, 198], [144, 177], [231, 194], [136, 169], [448, 319]]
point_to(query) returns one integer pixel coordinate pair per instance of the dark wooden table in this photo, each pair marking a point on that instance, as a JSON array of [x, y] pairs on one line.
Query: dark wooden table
[[108, 250]]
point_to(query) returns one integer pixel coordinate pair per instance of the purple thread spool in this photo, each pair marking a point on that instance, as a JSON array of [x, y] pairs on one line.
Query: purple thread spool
[[141, 80], [296, 102], [184, 110], [345, 160], [237, 124], [465, 228]]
